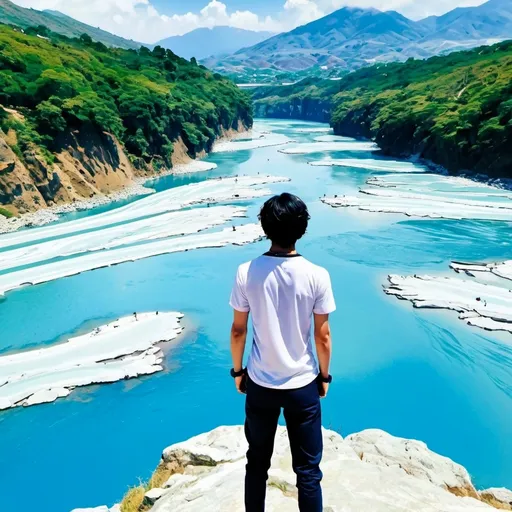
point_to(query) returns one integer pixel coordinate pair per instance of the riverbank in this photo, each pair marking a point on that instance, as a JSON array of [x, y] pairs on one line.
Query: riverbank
[[182, 164]]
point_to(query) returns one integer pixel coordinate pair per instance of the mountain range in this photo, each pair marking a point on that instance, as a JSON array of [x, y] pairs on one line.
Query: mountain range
[[12, 14], [351, 38], [345, 40], [204, 42]]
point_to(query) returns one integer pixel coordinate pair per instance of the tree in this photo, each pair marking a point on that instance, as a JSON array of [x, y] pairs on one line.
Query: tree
[[159, 52], [49, 118], [86, 39], [137, 144]]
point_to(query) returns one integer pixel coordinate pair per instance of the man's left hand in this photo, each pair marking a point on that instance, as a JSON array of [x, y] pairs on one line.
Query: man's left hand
[[239, 384]]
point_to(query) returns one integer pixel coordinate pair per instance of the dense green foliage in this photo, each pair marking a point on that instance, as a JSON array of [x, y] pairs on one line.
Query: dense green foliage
[[309, 99], [455, 110], [12, 14], [145, 98]]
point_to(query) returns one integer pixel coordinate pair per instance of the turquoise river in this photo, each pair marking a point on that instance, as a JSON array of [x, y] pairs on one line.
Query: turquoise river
[[419, 374]]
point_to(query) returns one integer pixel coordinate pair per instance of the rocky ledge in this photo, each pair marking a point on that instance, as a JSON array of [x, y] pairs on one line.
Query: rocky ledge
[[369, 471]]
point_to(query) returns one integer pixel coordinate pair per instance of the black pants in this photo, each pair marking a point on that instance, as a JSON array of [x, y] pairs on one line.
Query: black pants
[[304, 424]]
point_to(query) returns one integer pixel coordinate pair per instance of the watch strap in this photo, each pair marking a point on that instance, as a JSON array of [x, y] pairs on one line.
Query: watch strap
[[237, 374], [327, 380]]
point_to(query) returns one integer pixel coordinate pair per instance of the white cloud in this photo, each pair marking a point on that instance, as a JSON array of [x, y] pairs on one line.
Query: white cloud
[[141, 21], [415, 9], [303, 11]]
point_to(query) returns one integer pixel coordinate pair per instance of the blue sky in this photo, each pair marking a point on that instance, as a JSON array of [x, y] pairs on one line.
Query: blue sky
[[261, 7], [149, 21]]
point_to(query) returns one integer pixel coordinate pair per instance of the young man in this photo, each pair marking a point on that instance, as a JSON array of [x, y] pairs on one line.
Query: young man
[[283, 291]]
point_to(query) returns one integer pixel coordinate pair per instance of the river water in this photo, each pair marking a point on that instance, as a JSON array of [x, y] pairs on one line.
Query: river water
[[416, 373]]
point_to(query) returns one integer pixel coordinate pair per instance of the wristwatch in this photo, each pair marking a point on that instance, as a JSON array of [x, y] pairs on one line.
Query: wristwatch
[[237, 374], [327, 380]]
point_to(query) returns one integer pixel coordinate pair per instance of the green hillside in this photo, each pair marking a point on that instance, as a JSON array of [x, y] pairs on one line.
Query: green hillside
[[12, 14], [455, 110], [309, 99], [146, 98]]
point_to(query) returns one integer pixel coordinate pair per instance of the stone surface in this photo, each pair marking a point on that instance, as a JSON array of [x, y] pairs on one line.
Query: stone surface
[[370, 471], [430, 195], [153, 495], [177, 198], [95, 509], [322, 147], [254, 141], [499, 494], [483, 297], [369, 164], [413, 457], [111, 352], [162, 226], [57, 270]]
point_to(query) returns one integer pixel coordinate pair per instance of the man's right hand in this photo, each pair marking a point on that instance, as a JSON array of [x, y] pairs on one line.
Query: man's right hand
[[323, 389]]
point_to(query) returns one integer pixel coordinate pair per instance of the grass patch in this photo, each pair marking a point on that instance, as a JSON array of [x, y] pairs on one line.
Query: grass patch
[[133, 500], [284, 487], [6, 213], [485, 498], [493, 502]]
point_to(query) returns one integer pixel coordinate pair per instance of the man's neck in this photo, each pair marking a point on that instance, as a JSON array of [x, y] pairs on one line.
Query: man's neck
[[288, 251]]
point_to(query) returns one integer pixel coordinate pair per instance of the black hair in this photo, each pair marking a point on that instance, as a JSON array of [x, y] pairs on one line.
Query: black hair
[[284, 219]]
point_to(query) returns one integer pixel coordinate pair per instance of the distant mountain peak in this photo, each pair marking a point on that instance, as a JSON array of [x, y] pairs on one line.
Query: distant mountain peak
[[353, 37], [56, 21], [207, 41]]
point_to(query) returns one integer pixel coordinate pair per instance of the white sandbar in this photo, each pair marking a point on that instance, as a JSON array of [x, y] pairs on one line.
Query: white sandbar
[[502, 269], [334, 138], [311, 130], [479, 303], [370, 164], [430, 195], [154, 228], [321, 147], [261, 141], [115, 351], [210, 191], [66, 268], [194, 166]]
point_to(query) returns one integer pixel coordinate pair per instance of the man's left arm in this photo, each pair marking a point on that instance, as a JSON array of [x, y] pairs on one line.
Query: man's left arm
[[238, 339]]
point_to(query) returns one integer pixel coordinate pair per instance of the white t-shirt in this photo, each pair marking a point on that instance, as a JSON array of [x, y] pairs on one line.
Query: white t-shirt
[[282, 293]]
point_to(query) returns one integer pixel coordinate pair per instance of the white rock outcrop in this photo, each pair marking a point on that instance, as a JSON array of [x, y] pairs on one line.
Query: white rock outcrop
[[500, 494], [95, 509], [370, 164], [322, 147], [367, 472], [177, 198], [255, 141], [194, 166], [483, 298], [381, 449], [122, 349], [70, 267], [115, 508], [431, 196], [166, 225]]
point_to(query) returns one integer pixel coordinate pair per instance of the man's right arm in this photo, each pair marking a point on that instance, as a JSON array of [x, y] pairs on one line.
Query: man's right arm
[[323, 346]]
